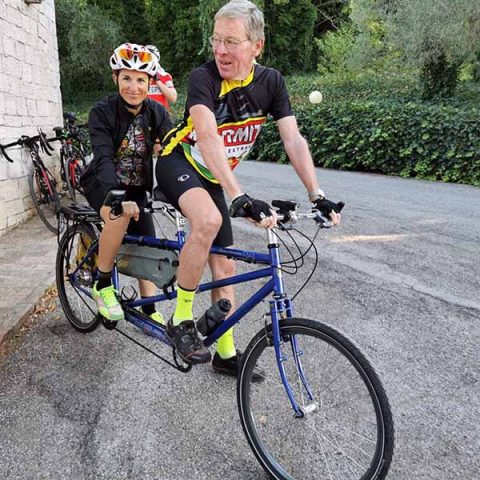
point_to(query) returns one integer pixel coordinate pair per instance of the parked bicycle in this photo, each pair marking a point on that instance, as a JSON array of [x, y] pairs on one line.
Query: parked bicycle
[[320, 412], [42, 184], [72, 154]]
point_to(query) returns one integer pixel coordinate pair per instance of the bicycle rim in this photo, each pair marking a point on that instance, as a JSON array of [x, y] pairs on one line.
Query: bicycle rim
[[43, 191], [347, 432], [80, 309]]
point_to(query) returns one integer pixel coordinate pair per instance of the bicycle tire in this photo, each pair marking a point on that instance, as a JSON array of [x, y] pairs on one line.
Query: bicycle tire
[[74, 166], [349, 433], [43, 191], [79, 308]]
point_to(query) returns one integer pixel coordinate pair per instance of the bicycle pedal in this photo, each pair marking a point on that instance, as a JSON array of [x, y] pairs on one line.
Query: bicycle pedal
[[109, 324]]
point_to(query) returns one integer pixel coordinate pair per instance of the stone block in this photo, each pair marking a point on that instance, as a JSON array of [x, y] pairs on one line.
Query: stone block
[[9, 190], [29, 26], [13, 120], [42, 108], [14, 16], [31, 107], [14, 207], [5, 81], [8, 44], [21, 106], [10, 104], [28, 121], [3, 213], [15, 170], [13, 68]]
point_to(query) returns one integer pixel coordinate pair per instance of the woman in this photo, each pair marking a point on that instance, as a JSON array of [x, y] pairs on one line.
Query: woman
[[125, 130]]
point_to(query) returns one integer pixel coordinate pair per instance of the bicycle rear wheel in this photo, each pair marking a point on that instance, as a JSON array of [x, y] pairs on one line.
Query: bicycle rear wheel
[[347, 429], [45, 198], [74, 166], [74, 289]]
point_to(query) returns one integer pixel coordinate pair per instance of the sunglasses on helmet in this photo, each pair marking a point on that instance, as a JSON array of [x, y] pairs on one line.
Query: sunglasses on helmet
[[127, 54]]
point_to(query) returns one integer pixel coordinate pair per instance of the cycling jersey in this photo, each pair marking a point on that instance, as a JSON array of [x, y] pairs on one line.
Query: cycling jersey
[[240, 108], [154, 91]]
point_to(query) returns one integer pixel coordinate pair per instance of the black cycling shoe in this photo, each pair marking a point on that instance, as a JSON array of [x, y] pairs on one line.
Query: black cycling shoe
[[187, 342], [229, 366]]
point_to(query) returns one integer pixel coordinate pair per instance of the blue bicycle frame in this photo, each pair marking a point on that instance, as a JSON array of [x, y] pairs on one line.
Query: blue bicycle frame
[[280, 305]]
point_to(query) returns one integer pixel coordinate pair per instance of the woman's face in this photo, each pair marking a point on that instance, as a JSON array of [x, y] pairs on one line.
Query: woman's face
[[234, 58], [132, 86]]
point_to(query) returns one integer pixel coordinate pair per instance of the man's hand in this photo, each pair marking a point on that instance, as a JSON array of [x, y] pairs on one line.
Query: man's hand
[[329, 209], [256, 210]]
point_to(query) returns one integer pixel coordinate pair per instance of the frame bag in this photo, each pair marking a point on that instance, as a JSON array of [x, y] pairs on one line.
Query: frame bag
[[155, 264]]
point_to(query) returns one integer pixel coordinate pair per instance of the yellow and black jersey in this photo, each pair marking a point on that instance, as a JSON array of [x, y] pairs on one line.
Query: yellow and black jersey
[[240, 108]]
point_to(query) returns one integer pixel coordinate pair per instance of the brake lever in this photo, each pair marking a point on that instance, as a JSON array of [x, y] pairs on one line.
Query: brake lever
[[45, 146], [323, 222]]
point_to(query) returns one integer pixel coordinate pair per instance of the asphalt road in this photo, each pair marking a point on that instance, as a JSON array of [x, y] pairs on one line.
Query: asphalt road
[[400, 276]]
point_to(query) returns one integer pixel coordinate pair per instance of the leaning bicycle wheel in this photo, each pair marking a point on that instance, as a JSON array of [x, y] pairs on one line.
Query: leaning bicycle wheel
[[75, 276], [45, 198], [345, 430], [74, 166]]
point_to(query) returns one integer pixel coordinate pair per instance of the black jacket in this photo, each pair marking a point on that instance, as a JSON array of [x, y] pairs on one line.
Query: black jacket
[[108, 124]]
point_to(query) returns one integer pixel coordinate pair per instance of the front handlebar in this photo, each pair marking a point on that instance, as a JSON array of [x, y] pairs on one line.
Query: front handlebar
[[286, 210]]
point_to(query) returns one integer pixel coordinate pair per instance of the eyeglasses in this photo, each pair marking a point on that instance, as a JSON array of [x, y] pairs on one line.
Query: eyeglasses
[[230, 44], [127, 54]]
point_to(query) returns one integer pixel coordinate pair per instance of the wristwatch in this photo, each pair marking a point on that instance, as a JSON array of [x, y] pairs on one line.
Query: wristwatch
[[317, 194]]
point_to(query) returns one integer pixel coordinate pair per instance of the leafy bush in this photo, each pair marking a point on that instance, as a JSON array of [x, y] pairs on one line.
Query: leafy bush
[[394, 136], [334, 48], [86, 38]]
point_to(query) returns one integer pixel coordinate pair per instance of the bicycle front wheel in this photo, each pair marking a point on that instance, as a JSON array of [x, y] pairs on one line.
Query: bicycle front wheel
[[45, 198], [75, 276], [345, 430]]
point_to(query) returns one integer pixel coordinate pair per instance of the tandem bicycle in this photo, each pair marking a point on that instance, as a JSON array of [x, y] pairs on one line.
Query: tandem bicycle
[[320, 412]]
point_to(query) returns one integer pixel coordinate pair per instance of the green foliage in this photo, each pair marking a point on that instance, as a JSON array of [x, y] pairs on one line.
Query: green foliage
[[387, 130], [289, 35], [439, 77], [436, 36], [86, 38], [175, 28], [334, 48]]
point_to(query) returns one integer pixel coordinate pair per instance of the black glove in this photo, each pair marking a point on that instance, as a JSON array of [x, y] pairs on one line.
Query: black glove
[[325, 207], [245, 206]]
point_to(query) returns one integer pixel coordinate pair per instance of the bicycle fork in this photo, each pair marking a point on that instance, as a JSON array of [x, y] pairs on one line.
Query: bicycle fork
[[281, 307], [278, 307]]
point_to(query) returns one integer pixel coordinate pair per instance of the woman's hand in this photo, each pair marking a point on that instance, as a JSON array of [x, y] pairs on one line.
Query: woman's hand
[[131, 210]]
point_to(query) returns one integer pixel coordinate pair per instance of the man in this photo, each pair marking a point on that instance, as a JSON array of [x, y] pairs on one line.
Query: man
[[228, 100]]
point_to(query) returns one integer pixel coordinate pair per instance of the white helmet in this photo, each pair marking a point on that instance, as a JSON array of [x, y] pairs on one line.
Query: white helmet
[[131, 56], [154, 50]]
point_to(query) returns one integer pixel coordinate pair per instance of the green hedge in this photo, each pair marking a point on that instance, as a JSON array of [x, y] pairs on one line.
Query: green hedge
[[389, 136]]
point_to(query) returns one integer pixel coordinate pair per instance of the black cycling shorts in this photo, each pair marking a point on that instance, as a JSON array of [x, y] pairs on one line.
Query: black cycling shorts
[[145, 225], [175, 176]]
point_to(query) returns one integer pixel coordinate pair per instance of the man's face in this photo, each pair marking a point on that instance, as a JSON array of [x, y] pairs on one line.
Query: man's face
[[132, 86], [233, 51]]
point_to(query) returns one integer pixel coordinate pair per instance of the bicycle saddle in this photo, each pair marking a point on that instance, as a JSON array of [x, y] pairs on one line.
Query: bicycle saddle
[[158, 195]]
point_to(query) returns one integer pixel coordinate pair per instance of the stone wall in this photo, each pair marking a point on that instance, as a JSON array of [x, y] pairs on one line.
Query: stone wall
[[29, 96]]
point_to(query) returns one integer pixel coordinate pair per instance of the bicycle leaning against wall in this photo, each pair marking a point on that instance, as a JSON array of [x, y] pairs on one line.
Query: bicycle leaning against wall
[[42, 184], [72, 154], [320, 412]]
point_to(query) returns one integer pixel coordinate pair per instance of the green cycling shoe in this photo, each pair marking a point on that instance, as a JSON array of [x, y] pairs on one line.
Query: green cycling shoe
[[107, 303]]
